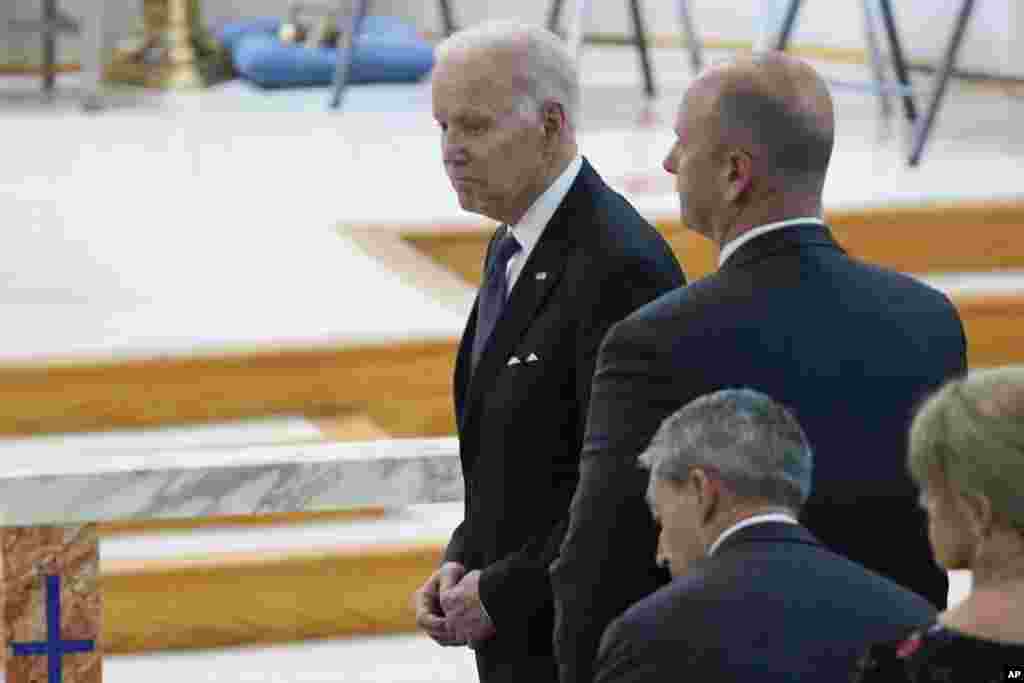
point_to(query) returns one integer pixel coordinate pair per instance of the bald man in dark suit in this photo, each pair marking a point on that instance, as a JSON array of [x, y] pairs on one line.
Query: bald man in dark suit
[[850, 347]]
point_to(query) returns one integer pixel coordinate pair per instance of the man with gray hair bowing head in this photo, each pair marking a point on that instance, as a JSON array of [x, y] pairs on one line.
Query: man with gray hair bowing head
[[851, 348], [570, 258], [755, 596]]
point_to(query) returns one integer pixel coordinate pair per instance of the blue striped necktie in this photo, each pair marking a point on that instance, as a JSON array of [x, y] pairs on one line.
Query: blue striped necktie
[[494, 292]]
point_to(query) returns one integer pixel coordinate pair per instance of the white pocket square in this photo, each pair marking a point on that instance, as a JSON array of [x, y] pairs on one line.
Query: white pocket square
[[532, 358], [513, 361]]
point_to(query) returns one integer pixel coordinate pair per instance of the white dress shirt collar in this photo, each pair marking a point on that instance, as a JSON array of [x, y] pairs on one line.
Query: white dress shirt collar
[[730, 247], [750, 521], [530, 227]]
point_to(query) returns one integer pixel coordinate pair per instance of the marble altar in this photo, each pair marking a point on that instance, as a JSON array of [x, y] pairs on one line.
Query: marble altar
[[49, 509]]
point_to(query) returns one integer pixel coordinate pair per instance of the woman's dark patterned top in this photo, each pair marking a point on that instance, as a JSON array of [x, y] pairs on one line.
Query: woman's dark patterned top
[[937, 654]]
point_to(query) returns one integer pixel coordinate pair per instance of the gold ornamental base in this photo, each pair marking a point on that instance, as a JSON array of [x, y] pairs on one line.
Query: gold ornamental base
[[201, 73], [172, 50]]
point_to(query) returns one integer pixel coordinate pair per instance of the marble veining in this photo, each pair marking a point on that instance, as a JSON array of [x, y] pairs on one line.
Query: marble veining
[[210, 482]]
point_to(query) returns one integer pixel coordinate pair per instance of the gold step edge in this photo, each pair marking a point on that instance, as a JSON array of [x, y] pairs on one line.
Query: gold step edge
[[262, 598], [160, 526]]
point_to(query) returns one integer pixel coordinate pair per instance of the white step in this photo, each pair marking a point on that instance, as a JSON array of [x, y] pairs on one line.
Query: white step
[[387, 659]]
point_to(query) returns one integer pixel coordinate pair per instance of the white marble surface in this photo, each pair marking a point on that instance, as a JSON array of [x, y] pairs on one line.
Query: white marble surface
[[101, 486]]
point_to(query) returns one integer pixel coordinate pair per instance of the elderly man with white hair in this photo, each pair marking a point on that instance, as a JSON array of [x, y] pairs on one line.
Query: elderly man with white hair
[[570, 258]]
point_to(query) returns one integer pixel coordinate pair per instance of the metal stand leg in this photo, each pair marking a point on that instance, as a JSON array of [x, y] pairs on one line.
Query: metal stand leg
[[574, 38], [554, 15], [640, 35], [446, 17], [788, 22], [346, 45], [877, 62], [924, 126], [690, 34], [898, 62], [49, 46]]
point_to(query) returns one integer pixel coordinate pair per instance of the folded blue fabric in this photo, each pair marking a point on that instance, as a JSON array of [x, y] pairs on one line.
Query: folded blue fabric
[[230, 33], [387, 50]]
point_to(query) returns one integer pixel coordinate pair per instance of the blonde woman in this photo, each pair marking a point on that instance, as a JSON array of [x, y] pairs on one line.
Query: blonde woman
[[967, 455]]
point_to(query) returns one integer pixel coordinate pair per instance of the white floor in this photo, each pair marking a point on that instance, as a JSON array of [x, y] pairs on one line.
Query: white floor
[[185, 222], [180, 223], [385, 659]]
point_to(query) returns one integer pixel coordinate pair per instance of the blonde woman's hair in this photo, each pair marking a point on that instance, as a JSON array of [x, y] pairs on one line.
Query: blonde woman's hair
[[970, 433]]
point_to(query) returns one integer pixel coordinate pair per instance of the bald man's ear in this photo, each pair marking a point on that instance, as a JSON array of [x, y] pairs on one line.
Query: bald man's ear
[[739, 174]]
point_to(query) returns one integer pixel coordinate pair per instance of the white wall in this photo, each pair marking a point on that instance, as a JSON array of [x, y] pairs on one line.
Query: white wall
[[991, 43]]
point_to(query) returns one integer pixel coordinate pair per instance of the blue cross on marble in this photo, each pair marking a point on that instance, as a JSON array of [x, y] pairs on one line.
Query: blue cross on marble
[[53, 647]]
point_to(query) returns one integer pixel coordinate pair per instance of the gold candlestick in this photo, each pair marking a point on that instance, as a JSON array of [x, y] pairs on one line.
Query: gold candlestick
[[173, 51]]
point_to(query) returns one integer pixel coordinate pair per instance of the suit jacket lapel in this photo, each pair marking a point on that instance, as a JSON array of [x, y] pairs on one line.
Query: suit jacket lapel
[[527, 296], [529, 293]]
